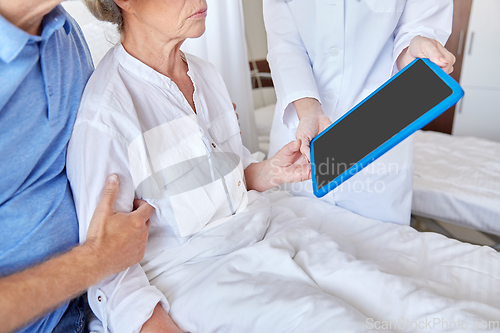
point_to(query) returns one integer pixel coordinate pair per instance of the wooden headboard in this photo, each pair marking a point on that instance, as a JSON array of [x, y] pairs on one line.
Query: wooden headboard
[[261, 74]]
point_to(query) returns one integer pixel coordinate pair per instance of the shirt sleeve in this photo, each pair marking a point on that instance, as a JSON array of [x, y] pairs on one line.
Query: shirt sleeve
[[427, 18], [123, 302], [247, 157], [291, 69]]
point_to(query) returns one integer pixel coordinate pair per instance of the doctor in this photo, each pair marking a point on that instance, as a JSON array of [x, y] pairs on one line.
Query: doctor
[[328, 55]]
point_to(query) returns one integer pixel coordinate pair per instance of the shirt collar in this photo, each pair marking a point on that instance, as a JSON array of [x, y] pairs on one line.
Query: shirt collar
[[139, 68], [145, 72], [54, 20], [13, 39]]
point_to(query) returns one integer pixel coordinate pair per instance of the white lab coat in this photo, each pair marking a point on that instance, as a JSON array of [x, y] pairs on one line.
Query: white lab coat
[[338, 52]]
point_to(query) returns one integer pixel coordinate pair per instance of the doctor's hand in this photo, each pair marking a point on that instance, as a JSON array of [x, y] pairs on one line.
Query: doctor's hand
[[312, 121], [117, 240], [288, 165], [422, 47]]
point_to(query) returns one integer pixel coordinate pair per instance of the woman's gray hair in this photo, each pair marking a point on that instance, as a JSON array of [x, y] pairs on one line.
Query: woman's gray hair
[[106, 10]]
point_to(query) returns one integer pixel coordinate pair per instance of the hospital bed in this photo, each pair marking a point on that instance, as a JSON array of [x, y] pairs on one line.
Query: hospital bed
[[335, 271], [457, 180], [263, 121], [377, 272]]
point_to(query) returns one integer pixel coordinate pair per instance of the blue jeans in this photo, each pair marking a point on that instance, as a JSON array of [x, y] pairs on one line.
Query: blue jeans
[[73, 320]]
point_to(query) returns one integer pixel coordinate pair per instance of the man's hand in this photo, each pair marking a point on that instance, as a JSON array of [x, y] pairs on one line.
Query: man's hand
[[312, 121], [422, 47], [115, 241], [118, 240]]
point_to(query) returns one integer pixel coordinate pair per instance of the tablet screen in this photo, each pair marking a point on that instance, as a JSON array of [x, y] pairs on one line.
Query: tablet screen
[[390, 110]]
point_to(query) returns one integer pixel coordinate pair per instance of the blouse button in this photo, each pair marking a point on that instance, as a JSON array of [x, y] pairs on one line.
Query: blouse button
[[213, 145], [99, 298], [239, 183], [334, 52]]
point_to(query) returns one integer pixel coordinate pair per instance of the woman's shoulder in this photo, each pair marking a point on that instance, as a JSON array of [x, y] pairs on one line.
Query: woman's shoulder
[[106, 97], [100, 84]]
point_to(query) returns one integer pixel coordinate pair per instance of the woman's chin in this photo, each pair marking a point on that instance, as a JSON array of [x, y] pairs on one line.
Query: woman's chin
[[197, 33]]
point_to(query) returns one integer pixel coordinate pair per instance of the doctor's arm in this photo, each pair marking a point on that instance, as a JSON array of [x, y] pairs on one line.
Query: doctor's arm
[[423, 47], [423, 29], [293, 78], [312, 121]]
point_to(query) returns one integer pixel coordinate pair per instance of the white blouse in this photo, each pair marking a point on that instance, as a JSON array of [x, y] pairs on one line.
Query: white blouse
[[136, 123]]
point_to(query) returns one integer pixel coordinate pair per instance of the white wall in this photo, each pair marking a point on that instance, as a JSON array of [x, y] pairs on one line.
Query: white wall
[[478, 114], [255, 30]]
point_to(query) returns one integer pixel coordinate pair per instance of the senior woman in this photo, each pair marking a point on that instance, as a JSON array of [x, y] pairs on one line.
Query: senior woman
[[163, 122]]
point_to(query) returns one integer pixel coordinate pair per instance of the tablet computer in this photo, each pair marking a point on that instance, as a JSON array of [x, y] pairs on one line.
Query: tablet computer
[[411, 99]]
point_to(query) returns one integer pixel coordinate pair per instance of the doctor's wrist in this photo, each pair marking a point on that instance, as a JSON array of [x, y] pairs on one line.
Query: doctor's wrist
[[403, 59], [308, 107]]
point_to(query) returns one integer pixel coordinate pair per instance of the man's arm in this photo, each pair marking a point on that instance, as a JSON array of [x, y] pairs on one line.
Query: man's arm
[[114, 242]]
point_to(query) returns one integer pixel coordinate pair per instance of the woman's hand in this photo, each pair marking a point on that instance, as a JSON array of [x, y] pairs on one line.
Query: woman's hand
[[312, 121], [237, 116], [287, 166], [160, 321], [422, 47]]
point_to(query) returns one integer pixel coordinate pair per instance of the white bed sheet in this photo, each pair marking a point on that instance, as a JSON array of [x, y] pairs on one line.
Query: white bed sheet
[[321, 268], [457, 179]]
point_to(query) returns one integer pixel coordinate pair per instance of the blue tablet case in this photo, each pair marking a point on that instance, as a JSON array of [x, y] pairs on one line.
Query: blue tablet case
[[456, 95]]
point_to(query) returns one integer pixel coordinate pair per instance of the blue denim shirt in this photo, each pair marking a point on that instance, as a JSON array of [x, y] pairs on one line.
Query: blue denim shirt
[[41, 81]]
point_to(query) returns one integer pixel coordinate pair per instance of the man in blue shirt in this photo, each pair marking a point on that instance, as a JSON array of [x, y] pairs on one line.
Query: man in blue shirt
[[44, 66]]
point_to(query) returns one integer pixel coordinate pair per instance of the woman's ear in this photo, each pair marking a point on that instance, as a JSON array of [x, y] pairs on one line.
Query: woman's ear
[[125, 5]]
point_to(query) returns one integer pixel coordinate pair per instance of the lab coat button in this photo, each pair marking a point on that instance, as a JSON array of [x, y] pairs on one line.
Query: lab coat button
[[99, 298], [213, 145], [334, 52], [239, 183]]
